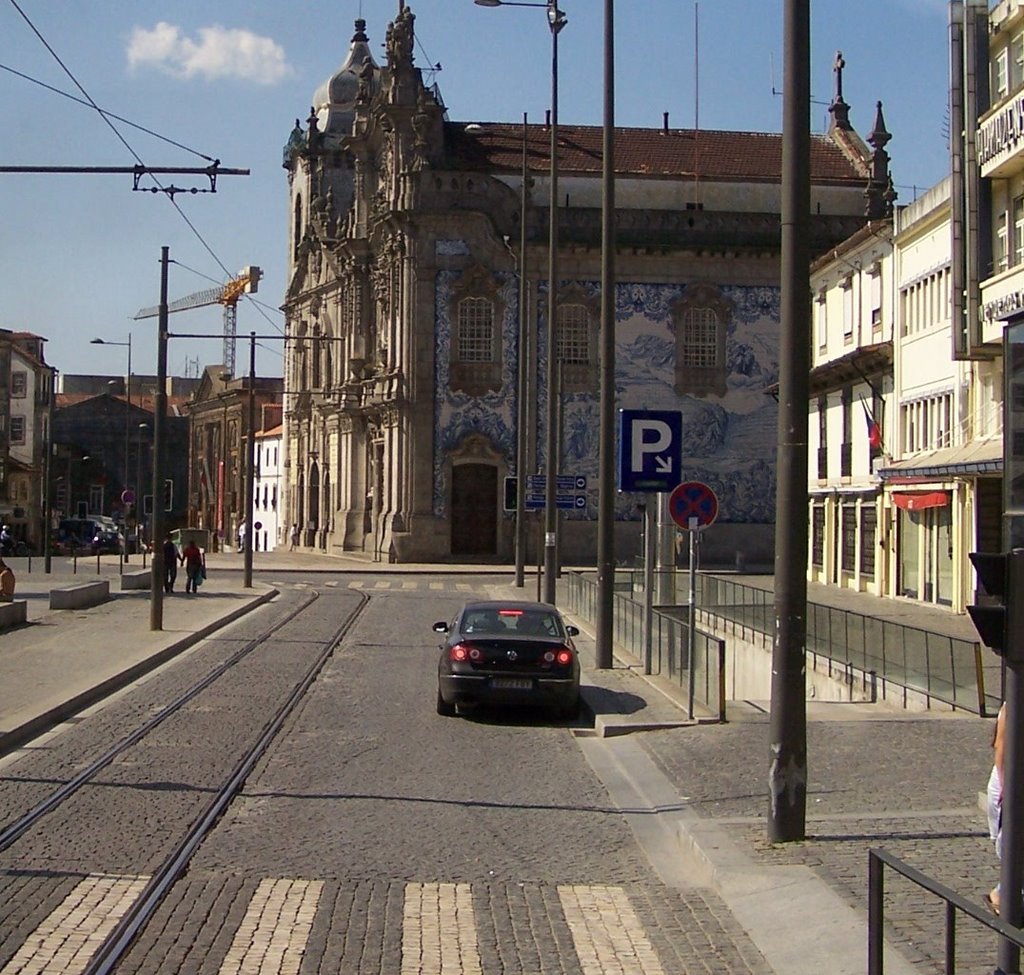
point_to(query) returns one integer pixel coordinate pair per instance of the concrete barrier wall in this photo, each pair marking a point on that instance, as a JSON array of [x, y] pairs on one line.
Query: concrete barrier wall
[[81, 595], [140, 579], [13, 613]]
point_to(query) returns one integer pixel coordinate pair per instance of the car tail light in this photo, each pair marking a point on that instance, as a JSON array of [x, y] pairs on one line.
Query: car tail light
[[460, 653], [562, 656]]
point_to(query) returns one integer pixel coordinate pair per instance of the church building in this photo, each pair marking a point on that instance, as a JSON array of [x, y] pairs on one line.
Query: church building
[[402, 384]]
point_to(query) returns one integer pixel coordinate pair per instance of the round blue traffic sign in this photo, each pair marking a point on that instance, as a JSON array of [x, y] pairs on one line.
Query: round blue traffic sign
[[692, 505]]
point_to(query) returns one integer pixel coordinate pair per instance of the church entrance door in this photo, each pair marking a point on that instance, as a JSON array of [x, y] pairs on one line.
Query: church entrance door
[[474, 509]]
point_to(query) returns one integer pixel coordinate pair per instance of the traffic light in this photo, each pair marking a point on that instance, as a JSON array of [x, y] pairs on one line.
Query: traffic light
[[168, 494], [511, 493], [998, 622]]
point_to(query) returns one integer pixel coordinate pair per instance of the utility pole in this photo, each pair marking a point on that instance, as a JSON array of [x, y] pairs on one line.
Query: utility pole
[[787, 773], [156, 606], [250, 465]]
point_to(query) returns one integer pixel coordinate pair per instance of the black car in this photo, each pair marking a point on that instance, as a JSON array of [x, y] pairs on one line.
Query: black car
[[508, 653]]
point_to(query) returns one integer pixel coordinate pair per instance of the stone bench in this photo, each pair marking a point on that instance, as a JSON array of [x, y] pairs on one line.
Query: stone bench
[[13, 613], [80, 596], [139, 579]]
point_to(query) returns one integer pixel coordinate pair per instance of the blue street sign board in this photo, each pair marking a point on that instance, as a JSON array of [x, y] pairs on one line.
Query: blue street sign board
[[650, 449], [567, 502], [563, 482]]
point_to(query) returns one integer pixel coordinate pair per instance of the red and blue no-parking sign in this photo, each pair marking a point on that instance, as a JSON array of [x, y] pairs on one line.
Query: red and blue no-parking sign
[[692, 505]]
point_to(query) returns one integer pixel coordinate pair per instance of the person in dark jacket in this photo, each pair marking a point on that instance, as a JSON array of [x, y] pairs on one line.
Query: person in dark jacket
[[170, 564]]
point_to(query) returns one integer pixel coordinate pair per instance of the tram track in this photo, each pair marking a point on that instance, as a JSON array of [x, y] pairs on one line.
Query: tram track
[[223, 786], [119, 940]]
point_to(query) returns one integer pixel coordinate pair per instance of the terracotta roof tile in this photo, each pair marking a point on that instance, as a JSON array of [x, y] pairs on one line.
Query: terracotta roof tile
[[706, 153]]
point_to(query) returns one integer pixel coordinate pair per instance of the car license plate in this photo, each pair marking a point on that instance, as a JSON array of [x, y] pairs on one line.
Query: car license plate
[[512, 683]]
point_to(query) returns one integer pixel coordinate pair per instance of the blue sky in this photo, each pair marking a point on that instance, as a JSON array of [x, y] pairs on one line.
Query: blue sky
[[79, 254]]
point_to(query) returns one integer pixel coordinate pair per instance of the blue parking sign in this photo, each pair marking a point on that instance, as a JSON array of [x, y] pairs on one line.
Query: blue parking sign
[[650, 449]]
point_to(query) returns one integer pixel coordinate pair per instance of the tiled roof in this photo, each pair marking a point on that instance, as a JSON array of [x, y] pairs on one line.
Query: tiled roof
[[707, 154]]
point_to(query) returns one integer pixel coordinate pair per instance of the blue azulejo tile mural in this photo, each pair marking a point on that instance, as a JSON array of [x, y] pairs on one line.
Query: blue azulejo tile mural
[[729, 440]]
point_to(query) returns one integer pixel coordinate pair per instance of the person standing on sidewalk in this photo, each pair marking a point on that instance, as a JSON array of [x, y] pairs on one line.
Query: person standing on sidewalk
[[170, 564], [995, 799], [192, 559], [242, 528], [293, 537]]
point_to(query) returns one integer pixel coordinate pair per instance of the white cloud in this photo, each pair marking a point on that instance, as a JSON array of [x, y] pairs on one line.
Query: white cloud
[[216, 52]]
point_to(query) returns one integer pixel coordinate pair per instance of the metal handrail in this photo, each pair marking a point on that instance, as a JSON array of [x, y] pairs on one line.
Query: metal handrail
[[878, 859], [944, 667]]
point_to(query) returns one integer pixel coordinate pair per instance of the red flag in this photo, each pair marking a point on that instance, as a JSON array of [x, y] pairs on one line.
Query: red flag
[[874, 430]]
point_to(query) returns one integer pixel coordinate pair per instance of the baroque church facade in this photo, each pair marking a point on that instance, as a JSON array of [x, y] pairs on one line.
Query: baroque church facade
[[402, 385]]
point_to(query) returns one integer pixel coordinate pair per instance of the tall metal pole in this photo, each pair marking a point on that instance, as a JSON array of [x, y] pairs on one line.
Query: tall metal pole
[[1011, 870], [127, 438], [556, 21], [523, 379], [250, 465], [47, 474], [787, 775], [156, 606], [606, 455]]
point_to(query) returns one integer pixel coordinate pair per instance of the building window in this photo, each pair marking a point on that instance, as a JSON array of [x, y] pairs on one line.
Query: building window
[[821, 320], [475, 331], [1017, 62], [19, 384], [700, 320], [818, 535], [475, 365], [848, 530], [573, 337], [822, 438], [1018, 230], [846, 447], [1000, 257], [868, 533], [17, 429], [875, 279], [1000, 75], [577, 339], [847, 287]]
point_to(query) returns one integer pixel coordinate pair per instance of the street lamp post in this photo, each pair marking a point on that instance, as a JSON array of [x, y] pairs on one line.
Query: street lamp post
[[556, 21]]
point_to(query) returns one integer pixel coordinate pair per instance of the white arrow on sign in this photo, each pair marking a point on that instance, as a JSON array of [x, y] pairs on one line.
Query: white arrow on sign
[[650, 437]]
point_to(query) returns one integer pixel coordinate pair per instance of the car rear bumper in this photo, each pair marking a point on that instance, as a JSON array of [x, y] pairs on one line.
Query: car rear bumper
[[481, 689]]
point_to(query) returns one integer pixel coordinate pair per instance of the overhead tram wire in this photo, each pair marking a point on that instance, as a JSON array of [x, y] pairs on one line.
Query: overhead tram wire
[[113, 128], [105, 113]]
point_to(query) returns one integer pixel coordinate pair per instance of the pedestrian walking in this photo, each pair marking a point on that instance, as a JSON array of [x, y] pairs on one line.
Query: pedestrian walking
[[994, 794], [294, 537], [195, 566], [242, 528], [170, 564]]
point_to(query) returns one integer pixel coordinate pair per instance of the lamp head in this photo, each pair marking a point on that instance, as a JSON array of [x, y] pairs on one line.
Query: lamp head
[[487, 3], [97, 342]]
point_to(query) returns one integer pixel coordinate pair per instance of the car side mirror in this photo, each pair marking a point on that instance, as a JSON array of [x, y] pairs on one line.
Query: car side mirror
[[572, 630], [441, 627]]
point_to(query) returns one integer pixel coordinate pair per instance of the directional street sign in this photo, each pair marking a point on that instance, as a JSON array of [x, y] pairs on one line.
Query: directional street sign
[[650, 449], [693, 505], [570, 492]]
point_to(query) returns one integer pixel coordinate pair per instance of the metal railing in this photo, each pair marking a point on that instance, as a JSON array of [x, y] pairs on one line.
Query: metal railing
[[704, 681], [877, 861], [940, 666]]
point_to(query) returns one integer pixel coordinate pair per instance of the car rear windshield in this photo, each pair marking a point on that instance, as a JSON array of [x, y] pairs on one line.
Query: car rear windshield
[[512, 622]]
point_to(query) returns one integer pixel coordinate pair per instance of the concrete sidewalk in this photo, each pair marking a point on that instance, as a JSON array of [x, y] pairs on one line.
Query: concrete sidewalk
[[695, 793]]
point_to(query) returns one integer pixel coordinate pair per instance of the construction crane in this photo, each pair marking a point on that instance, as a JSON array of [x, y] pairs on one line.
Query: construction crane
[[227, 295]]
